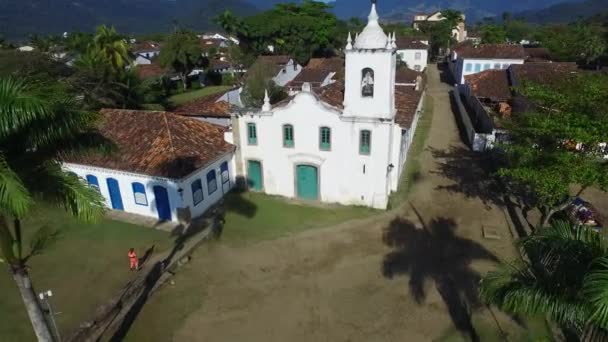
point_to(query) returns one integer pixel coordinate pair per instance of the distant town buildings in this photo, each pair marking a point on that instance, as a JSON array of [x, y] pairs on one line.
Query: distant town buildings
[[459, 32]]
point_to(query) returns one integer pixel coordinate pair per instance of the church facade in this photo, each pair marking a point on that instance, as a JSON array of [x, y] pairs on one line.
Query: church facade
[[345, 143]]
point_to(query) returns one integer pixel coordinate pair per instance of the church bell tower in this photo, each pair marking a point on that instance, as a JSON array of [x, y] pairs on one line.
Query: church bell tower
[[370, 72]]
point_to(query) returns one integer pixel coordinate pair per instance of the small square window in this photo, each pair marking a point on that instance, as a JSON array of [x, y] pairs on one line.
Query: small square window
[[477, 67], [468, 67], [418, 56]]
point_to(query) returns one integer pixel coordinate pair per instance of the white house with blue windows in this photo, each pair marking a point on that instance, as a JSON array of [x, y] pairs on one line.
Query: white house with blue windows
[[164, 165], [344, 143], [469, 58]]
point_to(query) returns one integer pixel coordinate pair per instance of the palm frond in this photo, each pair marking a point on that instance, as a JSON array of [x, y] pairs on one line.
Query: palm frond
[[18, 108], [15, 199], [55, 186], [596, 290]]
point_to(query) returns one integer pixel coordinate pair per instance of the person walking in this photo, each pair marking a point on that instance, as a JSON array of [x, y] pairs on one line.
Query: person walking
[[133, 260]]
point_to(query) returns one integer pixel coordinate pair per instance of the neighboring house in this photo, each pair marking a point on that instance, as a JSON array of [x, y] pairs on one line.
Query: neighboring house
[[537, 54], [492, 95], [222, 67], [413, 52], [346, 142], [217, 44], [233, 97], [148, 50], [211, 108], [150, 71], [467, 58], [319, 73], [219, 36], [284, 68], [459, 32], [166, 166], [409, 77]]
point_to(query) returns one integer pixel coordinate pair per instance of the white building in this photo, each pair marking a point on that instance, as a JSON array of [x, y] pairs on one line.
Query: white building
[[413, 52], [346, 143], [459, 32], [468, 58], [166, 166], [145, 52]]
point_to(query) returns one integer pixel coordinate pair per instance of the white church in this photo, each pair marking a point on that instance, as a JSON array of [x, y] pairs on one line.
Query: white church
[[346, 143], [343, 142]]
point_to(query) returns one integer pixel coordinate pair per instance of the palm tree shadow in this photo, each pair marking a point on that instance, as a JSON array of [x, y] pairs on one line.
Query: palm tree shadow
[[436, 253]]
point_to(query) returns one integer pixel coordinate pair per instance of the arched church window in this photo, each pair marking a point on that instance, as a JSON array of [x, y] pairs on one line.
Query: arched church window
[[367, 82]]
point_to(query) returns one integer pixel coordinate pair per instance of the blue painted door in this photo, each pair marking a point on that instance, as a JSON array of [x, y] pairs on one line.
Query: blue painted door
[[115, 197], [162, 203], [307, 180]]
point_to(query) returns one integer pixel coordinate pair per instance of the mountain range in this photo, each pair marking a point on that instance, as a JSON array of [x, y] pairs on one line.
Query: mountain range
[[20, 18]]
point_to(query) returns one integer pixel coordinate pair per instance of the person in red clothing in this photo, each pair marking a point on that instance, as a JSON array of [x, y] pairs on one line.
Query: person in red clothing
[[133, 260]]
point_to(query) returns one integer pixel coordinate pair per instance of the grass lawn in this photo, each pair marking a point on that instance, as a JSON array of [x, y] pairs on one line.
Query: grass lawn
[[252, 217], [85, 266], [182, 98], [412, 165]]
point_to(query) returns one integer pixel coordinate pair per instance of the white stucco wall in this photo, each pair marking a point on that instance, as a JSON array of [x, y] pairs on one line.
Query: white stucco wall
[[142, 61], [233, 97], [341, 170], [409, 57], [208, 199], [460, 70], [126, 179], [288, 73], [383, 63]]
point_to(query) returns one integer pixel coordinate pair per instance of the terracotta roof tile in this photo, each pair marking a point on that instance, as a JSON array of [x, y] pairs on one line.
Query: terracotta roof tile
[[490, 51], [206, 106], [537, 55], [490, 84], [407, 75], [150, 70], [317, 71], [146, 46], [545, 73], [158, 144], [410, 43], [406, 101], [333, 94]]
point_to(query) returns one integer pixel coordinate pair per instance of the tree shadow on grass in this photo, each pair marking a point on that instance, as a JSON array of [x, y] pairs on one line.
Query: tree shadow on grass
[[436, 253], [472, 174]]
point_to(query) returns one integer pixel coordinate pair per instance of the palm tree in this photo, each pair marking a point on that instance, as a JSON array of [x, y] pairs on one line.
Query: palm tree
[[564, 275], [36, 129], [113, 47]]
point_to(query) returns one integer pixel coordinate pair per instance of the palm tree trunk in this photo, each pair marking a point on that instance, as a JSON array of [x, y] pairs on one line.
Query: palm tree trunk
[[28, 295]]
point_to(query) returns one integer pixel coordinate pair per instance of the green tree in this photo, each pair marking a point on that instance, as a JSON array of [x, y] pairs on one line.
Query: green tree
[[36, 128], [440, 35], [563, 275], [493, 34], [228, 22], [181, 52], [112, 47], [555, 150], [299, 30], [259, 80]]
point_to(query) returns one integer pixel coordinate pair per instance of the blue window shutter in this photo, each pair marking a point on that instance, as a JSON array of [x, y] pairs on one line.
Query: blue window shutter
[[139, 193], [92, 180], [225, 173], [197, 191], [211, 182]]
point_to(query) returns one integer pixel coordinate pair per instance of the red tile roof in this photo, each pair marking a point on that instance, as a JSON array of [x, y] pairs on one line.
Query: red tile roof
[[545, 73], [490, 51], [158, 144], [150, 70], [406, 101], [410, 43], [490, 84], [333, 94], [317, 71], [407, 75], [537, 55], [146, 46], [208, 106]]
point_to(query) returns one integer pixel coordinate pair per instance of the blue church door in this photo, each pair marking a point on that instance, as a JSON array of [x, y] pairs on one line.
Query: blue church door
[[115, 197], [162, 203]]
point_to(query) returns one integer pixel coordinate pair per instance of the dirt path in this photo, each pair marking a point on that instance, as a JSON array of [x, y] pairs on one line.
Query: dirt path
[[376, 279]]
